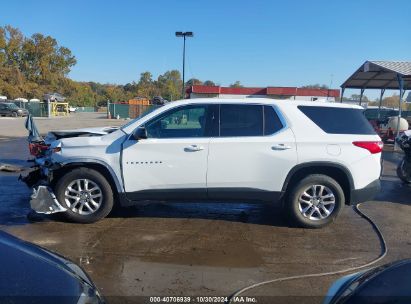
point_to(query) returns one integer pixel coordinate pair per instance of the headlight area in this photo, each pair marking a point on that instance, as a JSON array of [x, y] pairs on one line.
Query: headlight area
[[42, 174]]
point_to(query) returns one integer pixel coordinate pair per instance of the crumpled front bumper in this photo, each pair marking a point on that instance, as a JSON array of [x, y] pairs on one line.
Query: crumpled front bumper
[[43, 200]]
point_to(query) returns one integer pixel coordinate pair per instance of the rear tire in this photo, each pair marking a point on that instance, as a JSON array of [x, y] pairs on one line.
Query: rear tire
[[86, 194], [315, 201], [402, 172]]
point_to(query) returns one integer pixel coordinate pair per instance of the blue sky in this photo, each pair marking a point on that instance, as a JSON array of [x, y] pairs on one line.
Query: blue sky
[[260, 43]]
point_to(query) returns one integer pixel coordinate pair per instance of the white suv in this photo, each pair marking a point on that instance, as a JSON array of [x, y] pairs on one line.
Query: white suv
[[313, 157]]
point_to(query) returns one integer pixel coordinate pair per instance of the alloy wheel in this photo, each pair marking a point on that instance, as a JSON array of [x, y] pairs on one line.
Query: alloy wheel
[[83, 196], [316, 202]]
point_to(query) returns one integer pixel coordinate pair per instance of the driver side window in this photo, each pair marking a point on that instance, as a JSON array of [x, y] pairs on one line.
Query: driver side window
[[186, 121]]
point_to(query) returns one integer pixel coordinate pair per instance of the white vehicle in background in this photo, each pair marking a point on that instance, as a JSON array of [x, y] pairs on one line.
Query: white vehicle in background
[[312, 157], [72, 109]]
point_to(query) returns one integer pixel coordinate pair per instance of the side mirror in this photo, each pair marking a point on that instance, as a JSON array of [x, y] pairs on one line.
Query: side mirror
[[140, 133]]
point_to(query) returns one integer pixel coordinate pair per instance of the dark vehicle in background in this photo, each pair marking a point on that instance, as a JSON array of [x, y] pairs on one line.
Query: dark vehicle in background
[[10, 109], [54, 97], [158, 100], [404, 167], [31, 274], [389, 283]]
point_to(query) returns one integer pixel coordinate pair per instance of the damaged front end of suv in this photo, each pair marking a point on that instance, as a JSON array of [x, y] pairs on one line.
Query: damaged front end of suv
[[40, 179], [42, 199]]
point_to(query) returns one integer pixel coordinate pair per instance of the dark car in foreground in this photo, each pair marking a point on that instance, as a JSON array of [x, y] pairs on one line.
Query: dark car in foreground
[[10, 109], [390, 283], [31, 274]]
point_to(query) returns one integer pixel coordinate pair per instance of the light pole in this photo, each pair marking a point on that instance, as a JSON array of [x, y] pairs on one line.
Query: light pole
[[184, 35]]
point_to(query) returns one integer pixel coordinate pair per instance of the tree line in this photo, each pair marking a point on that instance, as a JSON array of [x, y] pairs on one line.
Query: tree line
[[33, 66]]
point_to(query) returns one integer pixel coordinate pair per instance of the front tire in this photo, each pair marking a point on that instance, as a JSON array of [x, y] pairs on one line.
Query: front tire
[[86, 194], [315, 201]]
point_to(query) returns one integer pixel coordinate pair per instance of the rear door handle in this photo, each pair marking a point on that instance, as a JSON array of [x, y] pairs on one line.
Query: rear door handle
[[280, 147], [193, 148]]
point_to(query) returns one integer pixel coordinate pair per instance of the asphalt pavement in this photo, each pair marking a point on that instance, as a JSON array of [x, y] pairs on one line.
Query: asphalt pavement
[[213, 249]]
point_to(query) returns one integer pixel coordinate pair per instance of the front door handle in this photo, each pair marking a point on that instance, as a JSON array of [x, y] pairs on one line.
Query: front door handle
[[193, 148], [280, 147]]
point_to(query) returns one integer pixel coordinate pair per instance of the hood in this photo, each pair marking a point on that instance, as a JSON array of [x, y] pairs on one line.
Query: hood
[[86, 132], [45, 273]]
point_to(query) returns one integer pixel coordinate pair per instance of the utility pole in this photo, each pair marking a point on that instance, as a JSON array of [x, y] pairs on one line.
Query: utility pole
[[184, 35]]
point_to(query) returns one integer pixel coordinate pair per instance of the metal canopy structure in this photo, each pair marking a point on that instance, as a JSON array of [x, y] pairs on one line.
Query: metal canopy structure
[[382, 75]]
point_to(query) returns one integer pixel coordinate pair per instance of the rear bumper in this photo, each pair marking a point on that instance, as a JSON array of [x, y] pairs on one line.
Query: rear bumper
[[365, 194]]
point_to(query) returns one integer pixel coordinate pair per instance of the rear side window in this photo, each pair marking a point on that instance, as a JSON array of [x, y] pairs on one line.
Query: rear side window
[[241, 120], [339, 120]]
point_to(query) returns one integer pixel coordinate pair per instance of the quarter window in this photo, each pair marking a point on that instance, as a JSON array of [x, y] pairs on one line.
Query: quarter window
[[335, 120], [272, 122]]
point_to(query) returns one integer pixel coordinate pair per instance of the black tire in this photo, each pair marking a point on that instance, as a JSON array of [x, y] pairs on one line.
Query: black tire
[[91, 175], [402, 174], [293, 201], [15, 114]]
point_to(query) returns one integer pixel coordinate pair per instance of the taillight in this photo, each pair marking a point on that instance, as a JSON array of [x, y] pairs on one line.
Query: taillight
[[372, 146]]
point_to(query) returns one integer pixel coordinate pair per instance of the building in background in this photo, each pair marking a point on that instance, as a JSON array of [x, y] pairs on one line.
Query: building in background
[[200, 91]]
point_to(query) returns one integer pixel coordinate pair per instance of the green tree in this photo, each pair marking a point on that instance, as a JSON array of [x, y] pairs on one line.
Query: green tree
[[12, 46], [209, 83], [3, 44], [357, 97], [236, 84], [44, 60], [316, 86], [193, 81], [146, 86], [391, 101], [170, 84]]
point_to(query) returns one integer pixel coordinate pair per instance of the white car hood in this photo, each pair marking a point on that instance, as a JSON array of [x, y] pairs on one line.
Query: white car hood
[[96, 131]]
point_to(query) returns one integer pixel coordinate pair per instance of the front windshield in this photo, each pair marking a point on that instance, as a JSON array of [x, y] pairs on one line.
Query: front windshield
[[146, 112]]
